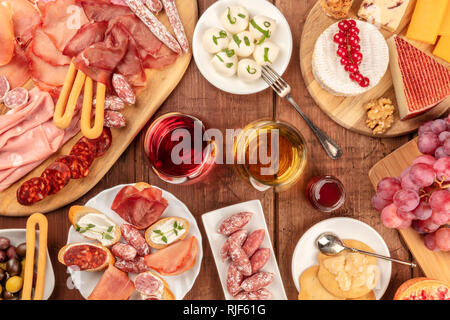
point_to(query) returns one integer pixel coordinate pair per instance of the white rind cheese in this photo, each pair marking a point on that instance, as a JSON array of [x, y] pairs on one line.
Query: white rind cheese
[[330, 73]]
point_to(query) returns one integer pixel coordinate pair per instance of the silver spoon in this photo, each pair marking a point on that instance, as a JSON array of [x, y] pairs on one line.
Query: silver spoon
[[330, 245]]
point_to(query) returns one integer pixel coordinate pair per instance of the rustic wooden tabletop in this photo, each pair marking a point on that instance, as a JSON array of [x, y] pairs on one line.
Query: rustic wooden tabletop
[[288, 214]]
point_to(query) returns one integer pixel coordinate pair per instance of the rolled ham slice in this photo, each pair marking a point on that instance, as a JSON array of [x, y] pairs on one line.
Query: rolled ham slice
[[6, 35]]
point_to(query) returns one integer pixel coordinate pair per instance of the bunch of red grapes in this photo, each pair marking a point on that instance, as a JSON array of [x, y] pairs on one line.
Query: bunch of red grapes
[[349, 50], [420, 197]]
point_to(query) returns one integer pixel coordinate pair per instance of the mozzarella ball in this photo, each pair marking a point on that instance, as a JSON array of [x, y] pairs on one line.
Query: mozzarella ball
[[266, 53], [215, 39], [234, 19], [242, 43], [249, 70], [225, 62], [262, 27]]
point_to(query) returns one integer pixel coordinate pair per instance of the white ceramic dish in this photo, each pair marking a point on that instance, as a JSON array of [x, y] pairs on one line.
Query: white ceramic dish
[[211, 221], [18, 236], [210, 18], [305, 253], [180, 285]]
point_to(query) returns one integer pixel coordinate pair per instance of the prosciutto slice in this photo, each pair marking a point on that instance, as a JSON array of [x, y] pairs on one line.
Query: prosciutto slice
[[88, 35], [44, 72], [25, 18], [61, 21], [113, 285], [16, 71], [103, 10], [44, 48], [131, 66]]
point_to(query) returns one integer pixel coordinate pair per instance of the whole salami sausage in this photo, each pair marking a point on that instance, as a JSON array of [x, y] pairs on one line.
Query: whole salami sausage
[[84, 151], [78, 168], [135, 238], [253, 241], [32, 191], [58, 175], [261, 294], [234, 223], [123, 88], [257, 281], [259, 259], [124, 251], [177, 25], [137, 265], [4, 87], [101, 144], [234, 280], [237, 237], [16, 98], [240, 259]]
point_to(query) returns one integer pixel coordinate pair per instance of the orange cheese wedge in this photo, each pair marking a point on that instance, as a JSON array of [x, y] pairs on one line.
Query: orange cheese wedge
[[6, 34], [442, 49], [445, 26]]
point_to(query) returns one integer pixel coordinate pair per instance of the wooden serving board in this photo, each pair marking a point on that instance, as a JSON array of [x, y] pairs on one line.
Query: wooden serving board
[[435, 265], [349, 111], [159, 86]]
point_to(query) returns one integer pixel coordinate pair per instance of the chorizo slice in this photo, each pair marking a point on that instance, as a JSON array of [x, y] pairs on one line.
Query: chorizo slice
[[32, 191], [58, 175]]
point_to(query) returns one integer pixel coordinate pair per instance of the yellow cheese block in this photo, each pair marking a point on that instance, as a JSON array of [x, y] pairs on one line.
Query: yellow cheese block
[[442, 49], [427, 20], [445, 27]]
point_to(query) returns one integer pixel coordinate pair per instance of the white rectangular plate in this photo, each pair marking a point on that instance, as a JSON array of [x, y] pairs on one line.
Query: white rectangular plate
[[211, 221]]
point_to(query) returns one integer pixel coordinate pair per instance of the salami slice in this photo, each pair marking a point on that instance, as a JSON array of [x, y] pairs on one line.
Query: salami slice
[[4, 87], [101, 144], [84, 151], [114, 119], [114, 103], [123, 88], [124, 251], [78, 168], [15, 98], [58, 175], [149, 285], [32, 191]]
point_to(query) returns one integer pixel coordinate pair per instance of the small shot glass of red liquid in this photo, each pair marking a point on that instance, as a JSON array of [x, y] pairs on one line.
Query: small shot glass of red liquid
[[168, 161], [326, 193]]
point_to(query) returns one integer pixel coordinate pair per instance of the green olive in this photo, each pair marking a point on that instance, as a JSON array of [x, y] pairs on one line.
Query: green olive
[[13, 267], [21, 250], [14, 284]]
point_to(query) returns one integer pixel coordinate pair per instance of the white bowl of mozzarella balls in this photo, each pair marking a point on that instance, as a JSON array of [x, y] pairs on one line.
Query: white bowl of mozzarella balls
[[238, 44], [241, 44]]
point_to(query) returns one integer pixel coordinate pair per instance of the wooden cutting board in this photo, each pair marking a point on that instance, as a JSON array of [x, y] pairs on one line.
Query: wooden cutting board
[[159, 86], [348, 111], [435, 265]]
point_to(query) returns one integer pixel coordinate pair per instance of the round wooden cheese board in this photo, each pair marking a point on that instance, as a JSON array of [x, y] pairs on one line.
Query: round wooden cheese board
[[349, 111], [159, 86]]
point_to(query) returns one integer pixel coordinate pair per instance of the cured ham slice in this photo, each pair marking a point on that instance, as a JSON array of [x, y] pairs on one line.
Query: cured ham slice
[[16, 71], [89, 34], [113, 285], [131, 66], [103, 10], [140, 208], [163, 58], [6, 35], [190, 260], [61, 21], [25, 18], [44, 48], [45, 72], [170, 260]]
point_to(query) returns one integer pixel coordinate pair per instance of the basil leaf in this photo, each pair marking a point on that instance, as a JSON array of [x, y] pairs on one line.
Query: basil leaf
[[78, 227], [90, 226], [164, 239], [175, 231], [107, 236], [158, 232], [215, 40], [110, 228]]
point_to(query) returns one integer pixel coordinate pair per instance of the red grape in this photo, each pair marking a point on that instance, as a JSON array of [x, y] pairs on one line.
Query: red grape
[[405, 224], [406, 215], [428, 142], [442, 168], [422, 174], [390, 218], [440, 153], [438, 126], [443, 239], [423, 211], [439, 217], [446, 145], [425, 226], [443, 136], [378, 203], [430, 241], [407, 183], [406, 200], [425, 127], [425, 158], [387, 187], [440, 201]]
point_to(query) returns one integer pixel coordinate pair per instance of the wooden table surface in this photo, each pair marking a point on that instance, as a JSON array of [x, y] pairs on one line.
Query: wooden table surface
[[288, 214]]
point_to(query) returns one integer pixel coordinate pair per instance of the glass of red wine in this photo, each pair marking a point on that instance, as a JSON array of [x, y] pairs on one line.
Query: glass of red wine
[[179, 149], [326, 193]]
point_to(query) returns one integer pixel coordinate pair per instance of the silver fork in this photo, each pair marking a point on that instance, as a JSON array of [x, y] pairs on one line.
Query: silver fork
[[283, 89]]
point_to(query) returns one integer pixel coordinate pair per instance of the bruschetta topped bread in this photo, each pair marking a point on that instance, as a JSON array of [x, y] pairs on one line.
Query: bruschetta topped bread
[[94, 225], [166, 231], [152, 287], [85, 256]]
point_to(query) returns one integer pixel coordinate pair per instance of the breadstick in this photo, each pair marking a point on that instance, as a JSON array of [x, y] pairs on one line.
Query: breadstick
[[94, 132]]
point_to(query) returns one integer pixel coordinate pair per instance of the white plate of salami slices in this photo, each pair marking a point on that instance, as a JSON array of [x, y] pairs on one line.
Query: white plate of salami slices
[[180, 285], [214, 219]]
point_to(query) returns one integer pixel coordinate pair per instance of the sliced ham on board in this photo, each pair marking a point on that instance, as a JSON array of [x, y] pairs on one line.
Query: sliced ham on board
[[16, 71], [89, 34], [45, 72], [25, 18], [44, 48], [131, 66], [61, 20], [102, 10]]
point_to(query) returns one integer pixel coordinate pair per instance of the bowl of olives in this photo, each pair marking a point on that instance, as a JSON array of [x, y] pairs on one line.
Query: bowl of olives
[[12, 265]]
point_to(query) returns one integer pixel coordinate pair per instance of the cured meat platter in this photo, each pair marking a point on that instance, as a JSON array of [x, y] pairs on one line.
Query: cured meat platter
[[160, 83], [435, 265], [349, 111]]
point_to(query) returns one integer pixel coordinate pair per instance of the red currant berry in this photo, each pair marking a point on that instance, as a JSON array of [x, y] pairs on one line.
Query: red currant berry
[[352, 23], [358, 77], [356, 47], [352, 76], [338, 38], [353, 40], [341, 52], [353, 30], [345, 61], [357, 56], [343, 25], [364, 82]]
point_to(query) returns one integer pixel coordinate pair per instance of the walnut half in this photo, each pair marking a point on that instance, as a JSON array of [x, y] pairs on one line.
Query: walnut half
[[380, 115]]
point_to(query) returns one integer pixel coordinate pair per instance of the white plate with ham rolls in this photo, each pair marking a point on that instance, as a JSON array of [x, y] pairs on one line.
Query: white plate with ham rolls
[[180, 285], [238, 235]]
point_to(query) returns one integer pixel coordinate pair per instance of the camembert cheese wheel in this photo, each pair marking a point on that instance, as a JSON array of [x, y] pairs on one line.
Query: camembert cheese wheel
[[330, 73]]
